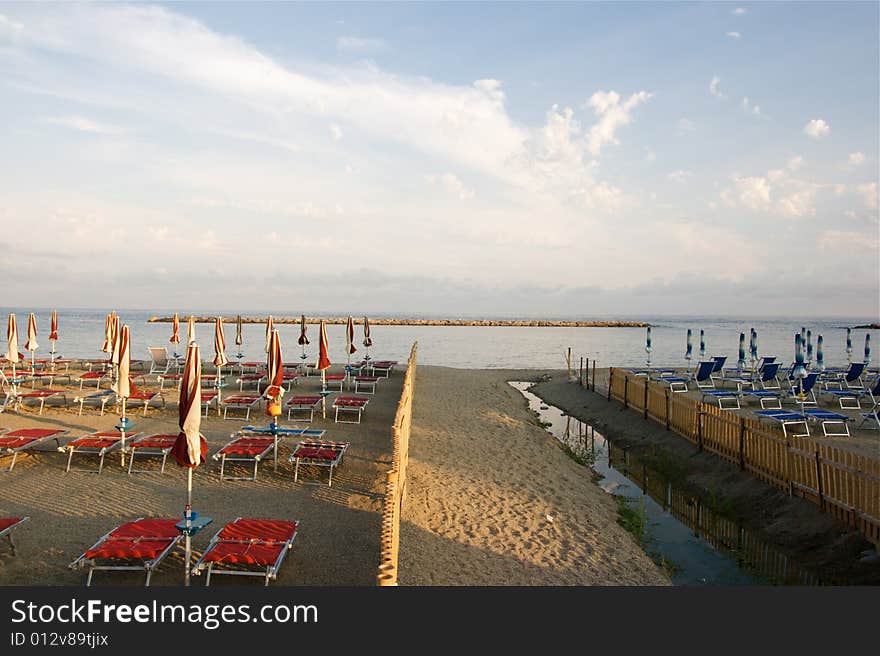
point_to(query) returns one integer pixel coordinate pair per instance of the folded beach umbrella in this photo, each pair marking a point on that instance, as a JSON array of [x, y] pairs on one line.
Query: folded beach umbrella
[[323, 362], [820, 354], [689, 346], [752, 345], [12, 343], [270, 326], [190, 448], [122, 386], [220, 359], [867, 348], [849, 344], [31, 344], [755, 345], [175, 330], [702, 344], [53, 335], [114, 339], [800, 370], [275, 371], [741, 359], [238, 338], [368, 342], [108, 333], [648, 345], [191, 330], [809, 346]]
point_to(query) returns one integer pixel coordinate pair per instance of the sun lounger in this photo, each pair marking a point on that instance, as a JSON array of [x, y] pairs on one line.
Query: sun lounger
[[151, 445], [304, 404], [718, 367], [101, 398], [143, 541], [368, 383], [92, 376], [209, 400], [828, 418], [8, 525], [251, 449], [49, 376], [23, 439], [334, 379], [171, 379], [261, 543], [160, 362], [351, 404], [727, 400], [245, 402], [146, 397], [41, 395], [250, 379], [851, 399], [702, 375], [871, 416], [383, 367], [99, 444], [851, 378], [318, 453], [252, 367], [769, 399], [786, 418], [95, 365], [277, 434]]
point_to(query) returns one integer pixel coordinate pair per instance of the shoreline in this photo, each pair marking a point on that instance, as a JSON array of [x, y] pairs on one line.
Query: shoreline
[[795, 526], [422, 322]]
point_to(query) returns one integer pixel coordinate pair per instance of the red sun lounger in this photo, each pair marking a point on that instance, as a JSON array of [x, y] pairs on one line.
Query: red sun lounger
[[334, 379], [209, 400], [99, 444], [102, 398], [151, 445], [304, 404], [146, 397], [353, 404], [92, 376], [24, 439], [384, 367], [171, 379], [9, 524], [368, 383], [260, 543], [244, 449], [244, 402], [318, 453], [41, 395], [143, 541], [250, 379]]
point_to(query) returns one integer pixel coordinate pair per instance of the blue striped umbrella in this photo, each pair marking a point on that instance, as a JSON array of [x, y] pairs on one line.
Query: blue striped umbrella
[[702, 344], [754, 345], [648, 345], [690, 346], [849, 344], [803, 335], [809, 346], [867, 348], [741, 362], [799, 370], [820, 355]]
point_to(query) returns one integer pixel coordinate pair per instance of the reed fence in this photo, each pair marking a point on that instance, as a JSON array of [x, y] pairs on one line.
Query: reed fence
[[395, 483], [841, 482]]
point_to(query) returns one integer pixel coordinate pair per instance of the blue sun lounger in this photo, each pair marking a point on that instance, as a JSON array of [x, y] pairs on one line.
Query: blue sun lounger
[[851, 399], [702, 376], [722, 396], [769, 399], [829, 418], [786, 418]]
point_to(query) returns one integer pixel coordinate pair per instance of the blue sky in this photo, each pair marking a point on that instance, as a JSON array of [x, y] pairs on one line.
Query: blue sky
[[443, 157]]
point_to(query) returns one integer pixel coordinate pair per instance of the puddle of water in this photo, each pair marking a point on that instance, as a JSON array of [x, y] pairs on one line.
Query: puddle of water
[[700, 547]]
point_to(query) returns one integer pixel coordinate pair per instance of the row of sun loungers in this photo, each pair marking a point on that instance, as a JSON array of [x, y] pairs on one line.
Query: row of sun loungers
[[243, 547]]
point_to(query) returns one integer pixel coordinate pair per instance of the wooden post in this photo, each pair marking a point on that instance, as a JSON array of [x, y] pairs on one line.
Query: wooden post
[[742, 443], [646, 398], [666, 395], [610, 380], [594, 374], [581, 372], [586, 381], [819, 481], [625, 391], [700, 428], [568, 361]]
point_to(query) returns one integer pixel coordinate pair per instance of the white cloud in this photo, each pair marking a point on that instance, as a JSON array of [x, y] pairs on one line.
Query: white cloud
[[336, 132], [868, 190], [360, 45], [10, 28], [748, 108], [84, 124], [612, 115], [795, 163], [777, 192], [733, 35], [844, 241], [452, 185], [713, 87], [739, 11], [857, 158], [817, 128], [679, 176]]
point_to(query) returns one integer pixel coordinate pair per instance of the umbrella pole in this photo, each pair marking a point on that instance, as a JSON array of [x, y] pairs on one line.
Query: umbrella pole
[[122, 431], [187, 544], [219, 393]]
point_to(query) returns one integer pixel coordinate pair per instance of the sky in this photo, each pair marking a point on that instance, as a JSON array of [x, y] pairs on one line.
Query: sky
[[446, 158]]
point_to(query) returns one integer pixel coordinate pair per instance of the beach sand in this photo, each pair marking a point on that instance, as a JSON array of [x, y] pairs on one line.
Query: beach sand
[[493, 500], [338, 540]]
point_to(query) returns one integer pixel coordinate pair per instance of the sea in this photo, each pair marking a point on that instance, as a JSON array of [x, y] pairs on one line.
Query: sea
[[81, 334]]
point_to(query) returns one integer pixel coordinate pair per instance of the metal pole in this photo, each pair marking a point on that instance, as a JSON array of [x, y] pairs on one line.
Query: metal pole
[[189, 485]]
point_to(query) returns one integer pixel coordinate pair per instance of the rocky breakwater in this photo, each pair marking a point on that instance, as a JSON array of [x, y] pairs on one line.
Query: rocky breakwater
[[528, 323]]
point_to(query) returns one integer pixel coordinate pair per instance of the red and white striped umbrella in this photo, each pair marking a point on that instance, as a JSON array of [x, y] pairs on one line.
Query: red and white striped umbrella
[[349, 337], [175, 330], [274, 364], [191, 330], [220, 359], [12, 342], [53, 327], [31, 344], [303, 339], [367, 341], [323, 349], [238, 337], [190, 448], [270, 326], [122, 386], [114, 339], [108, 333]]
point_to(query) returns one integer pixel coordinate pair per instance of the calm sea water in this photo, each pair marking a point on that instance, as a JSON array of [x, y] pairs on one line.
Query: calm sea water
[[81, 334]]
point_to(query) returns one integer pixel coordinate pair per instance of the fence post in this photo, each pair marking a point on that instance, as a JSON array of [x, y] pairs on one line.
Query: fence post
[[666, 396], [586, 381], [594, 374], [742, 443], [625, 391], [700, 427], [819, 481], [610, 381], [581, 372], [646, 398]]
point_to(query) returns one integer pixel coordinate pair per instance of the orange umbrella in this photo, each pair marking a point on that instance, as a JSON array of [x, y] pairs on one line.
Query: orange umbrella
[[190, 449], [275, 368], [323, 353], [175, 330], [31, 344]]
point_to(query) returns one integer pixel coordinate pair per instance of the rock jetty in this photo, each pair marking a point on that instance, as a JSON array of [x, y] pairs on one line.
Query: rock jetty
[[425, 322]]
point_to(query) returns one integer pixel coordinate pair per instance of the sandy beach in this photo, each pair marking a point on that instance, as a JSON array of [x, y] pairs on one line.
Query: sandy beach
[[493, 500]]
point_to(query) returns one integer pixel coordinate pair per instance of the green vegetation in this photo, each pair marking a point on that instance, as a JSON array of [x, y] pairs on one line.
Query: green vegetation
[[633, 519]]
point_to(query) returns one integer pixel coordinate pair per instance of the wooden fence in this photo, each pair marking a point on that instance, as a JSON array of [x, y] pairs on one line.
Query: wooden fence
[[395, 484], [840, 482]]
